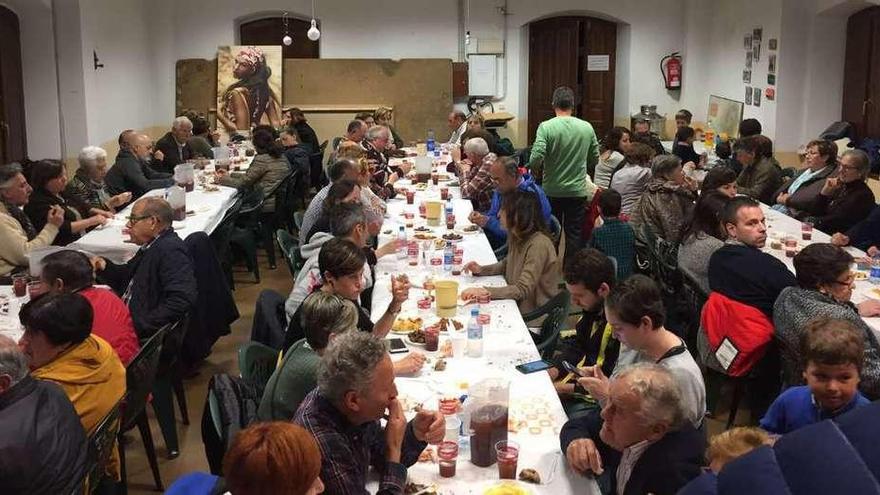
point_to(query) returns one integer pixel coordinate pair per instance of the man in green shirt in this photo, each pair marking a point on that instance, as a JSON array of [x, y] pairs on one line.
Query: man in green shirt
[[563, 149]]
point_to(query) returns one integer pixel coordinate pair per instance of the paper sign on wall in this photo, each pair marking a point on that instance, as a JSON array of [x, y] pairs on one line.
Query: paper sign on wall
[[598, 63]]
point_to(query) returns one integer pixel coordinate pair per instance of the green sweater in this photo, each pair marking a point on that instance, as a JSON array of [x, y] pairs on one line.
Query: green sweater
[[563, 148], [290, 383]]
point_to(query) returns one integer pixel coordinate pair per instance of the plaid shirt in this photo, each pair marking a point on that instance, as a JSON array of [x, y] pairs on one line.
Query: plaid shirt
[[616, 238], [478, 185], [347, 451]]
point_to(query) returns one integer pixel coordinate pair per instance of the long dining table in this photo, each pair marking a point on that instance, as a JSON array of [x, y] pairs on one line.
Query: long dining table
[[535, 412]]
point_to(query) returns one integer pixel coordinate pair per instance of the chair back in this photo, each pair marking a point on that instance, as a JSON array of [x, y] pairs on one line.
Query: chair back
[[554, 311], [100, 446], [140, 374], [172, 343], [257, 362], [290, 249], [316, 164], [298, 219], [555, 231]]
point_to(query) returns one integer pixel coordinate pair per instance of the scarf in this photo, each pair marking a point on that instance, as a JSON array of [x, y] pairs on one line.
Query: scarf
[[19, 215]]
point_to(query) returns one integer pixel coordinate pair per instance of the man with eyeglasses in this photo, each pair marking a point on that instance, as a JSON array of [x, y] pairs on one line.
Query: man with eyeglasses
[[158, 284], [173, 144]]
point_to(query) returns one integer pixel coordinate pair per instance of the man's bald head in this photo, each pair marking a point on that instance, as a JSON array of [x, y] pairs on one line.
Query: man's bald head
[[125, 139], [141, 145]]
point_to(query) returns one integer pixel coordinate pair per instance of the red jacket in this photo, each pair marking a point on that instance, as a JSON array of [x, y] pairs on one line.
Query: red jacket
[[747, 329], [113, 322]]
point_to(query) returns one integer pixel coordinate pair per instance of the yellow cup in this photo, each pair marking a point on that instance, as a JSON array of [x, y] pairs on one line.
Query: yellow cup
[[447, 298], [432, 212]]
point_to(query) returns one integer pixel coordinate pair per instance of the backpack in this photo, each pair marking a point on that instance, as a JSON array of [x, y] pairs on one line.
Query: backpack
[[231, 406]]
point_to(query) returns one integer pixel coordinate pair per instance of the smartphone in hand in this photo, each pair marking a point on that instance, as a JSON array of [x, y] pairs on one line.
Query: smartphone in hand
[[573, 369]]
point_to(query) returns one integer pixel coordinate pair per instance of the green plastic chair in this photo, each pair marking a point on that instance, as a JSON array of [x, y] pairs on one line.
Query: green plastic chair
[[555, 312], [290, 249], [298, 219], [257, 362]]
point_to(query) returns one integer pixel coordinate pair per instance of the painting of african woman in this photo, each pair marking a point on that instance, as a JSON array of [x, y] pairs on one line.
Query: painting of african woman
[[248, 87]]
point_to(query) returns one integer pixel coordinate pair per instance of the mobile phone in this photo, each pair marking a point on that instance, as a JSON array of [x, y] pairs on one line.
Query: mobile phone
[[396, 346], [534, 366], [572, 369]]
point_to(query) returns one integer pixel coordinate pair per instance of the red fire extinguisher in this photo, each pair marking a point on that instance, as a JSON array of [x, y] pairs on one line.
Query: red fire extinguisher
[[670, 67]]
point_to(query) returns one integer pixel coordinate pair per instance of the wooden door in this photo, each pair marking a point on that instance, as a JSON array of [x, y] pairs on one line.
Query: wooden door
[[558, 52], [13, 139], [270, 30]]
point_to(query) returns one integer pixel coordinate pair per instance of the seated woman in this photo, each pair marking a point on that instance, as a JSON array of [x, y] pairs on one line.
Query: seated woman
[[683, 147], [17, 234], [324, 315], [798, 197], [273, 457], [87, 184], [383, 116], [531, 267], [474, 173], [70, 272], [702, 236], [760, 177], [667, 201], [57, 339], [374, 206], [611, 157], [720, 178], [49, 178], [267, 170], [341, 191], [631, 179], [825, 288], [845, 200]]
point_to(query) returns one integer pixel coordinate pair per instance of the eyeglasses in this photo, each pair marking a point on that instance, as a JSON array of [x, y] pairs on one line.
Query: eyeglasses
[[131, 220], [848, 281]]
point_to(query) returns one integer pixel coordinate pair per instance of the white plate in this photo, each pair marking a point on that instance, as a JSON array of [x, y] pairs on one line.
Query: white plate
[[410, 342]]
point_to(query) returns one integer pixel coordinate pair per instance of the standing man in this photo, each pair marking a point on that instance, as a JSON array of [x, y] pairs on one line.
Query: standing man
[[564, 147], [173, 145]]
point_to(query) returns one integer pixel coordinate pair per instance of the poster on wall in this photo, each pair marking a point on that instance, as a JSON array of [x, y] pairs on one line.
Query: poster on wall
[[724, 115], [756, 98], [748, 95], [248, 87]]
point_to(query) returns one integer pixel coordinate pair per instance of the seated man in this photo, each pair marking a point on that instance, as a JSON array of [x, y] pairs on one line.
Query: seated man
[[457, 121], [636, 314], [42, 442], [296, 154], [507, 178], [354, 133], [71, 272], [158, 284], [132, 171], [340, 169], [760, 176], [174, 144], [473, 171], [355, 389], [384, 176], [642, 134], [643, 442], [864, 235], [324, 317], [739, 270]]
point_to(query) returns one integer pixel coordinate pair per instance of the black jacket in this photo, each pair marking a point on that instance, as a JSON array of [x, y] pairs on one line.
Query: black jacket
[[129, 173], [163, 286], [665, 467], [749, 275], [867, 232], [849, 206], [168, 146], [307, 137], [38, 207], [298, 157], [42, 442]]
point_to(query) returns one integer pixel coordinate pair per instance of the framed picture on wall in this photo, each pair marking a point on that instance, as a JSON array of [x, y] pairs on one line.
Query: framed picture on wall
[[724, 115], [747, 42], [747, 76], [771, 64], [749, 60], [748, 95], [756, 98]]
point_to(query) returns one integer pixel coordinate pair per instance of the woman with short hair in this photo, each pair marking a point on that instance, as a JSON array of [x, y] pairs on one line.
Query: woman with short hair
[[846, 199], [87, 184], [384, 116], [825, 287], [667, 201], [798, 197]]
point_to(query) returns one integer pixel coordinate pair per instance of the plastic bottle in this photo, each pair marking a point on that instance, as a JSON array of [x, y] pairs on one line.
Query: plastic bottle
[[429, 142], [448, 210], [874, 276], [475, 335], [401, 242], [448, 256]]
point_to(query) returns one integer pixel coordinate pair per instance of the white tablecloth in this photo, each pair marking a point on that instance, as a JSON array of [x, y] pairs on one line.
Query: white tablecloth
[[534, 404], [9, 309]]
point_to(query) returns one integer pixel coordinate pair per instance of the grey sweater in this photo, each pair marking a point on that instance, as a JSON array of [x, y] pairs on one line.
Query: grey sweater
[[693, 257]]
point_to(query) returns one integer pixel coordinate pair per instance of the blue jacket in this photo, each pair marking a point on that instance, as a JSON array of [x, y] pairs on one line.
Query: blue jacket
[[795, 408], [867, 232], [493, 225]]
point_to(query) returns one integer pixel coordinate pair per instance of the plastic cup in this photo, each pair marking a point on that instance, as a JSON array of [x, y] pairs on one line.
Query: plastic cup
[[448, 454], [447, 297], [432, 338], [433, 210], [410, 197], [456, 266], [435, 178], [450, 222], [508, 455], [19, 284], [444, 193], [453, 426], [807, 231], [459, 343]]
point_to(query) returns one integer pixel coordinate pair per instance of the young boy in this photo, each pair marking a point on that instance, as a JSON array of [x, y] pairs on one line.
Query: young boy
[[683, 118], [833, 354], [615, 237]]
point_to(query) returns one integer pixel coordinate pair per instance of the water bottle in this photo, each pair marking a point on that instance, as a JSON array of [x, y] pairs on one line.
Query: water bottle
[[429, 142], [401, 243], [874, 276], [475, 335], [447, 210], [448, 256]]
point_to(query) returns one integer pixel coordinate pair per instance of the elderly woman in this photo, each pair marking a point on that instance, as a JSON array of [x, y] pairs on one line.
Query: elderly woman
[[49, 179], [87, 184], [17, 234], [798, 197], [611, 157], [702, 236], [667, 201], [760, 177], [825, 288], [58, 342], [474, 173], [383, 176], [720, 178], [631, 179], [845, 200], [384, 116], [267, 170]]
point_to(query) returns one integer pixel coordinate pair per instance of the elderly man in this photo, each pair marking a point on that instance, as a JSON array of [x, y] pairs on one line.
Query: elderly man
[[174, 144], [158, 284], [642, 443], [457, 122], [473, 171], [132, 171], [42, 441], [507, 178], [87, 184], [355, 390], [340, 169], [384, 176], [355, 132], [565, 148]]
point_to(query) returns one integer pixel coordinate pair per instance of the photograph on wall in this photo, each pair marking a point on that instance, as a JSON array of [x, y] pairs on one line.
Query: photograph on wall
[[757, 34], [770, 94], [248, 87], [748, 95], [724, 115], [771, 44], [747, 42], [747, 76], [756, 52], [771, 79], [771, 64], [756, 98], [749, 60]]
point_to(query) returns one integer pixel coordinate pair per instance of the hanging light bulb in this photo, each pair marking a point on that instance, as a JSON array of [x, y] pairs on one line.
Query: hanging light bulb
[[313, 33], [287, 40]]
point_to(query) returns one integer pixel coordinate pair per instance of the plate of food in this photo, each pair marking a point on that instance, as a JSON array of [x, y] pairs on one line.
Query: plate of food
[[422, 228], [508, 487], [420, 187], [416, 337], [406, 325], [470, 229], [424, 236], [860, 275], [439, 244], [447, 324], [452, 236], [444, 177]]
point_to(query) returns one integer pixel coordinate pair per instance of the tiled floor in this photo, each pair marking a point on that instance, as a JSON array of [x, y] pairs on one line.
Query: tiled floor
[[224, 359]]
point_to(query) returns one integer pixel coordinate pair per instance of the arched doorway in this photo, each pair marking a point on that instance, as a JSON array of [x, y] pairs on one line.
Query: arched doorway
[[13, 140], [570, 51], [270, 30]]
